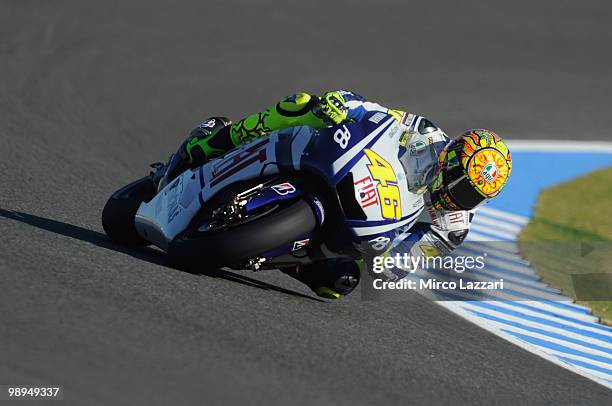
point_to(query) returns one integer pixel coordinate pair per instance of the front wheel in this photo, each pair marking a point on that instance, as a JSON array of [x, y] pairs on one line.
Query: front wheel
[[119, 211], [242, 241]]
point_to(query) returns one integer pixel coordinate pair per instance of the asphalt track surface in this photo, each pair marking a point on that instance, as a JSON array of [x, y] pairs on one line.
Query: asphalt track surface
[[91, 92]]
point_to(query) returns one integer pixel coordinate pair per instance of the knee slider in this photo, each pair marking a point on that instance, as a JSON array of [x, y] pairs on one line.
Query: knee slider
[[296, 104], [341, 276]]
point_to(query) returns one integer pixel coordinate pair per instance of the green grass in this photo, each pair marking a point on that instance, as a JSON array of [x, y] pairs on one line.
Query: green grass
[[571, 234]]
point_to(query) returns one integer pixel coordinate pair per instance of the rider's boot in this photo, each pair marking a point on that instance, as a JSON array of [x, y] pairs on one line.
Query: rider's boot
[[209, 139], [331, 279]]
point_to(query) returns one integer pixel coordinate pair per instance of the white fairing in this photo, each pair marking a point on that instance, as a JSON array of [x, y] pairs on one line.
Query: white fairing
[[170, 211]]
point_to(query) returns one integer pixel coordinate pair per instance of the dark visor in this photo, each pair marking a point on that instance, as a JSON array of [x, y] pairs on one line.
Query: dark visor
[[464, 194]]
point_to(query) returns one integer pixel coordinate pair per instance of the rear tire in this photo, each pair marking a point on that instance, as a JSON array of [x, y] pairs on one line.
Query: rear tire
[[241, 242], [119, 211]]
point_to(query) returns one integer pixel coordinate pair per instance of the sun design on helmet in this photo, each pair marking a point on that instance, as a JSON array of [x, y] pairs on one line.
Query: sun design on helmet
[[487, 161]]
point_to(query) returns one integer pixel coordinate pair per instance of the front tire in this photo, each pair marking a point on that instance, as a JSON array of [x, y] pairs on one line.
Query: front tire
[[241, 242], [119, 211]]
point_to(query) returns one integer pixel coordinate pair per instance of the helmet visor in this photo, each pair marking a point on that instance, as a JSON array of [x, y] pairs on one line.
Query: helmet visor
[[464, 194]]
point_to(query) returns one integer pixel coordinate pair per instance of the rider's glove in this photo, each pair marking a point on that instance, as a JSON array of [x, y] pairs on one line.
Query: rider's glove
[[331, 108]]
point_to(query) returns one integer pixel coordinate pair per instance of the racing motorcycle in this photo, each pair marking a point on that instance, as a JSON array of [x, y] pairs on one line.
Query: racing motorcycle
[[299, 195]]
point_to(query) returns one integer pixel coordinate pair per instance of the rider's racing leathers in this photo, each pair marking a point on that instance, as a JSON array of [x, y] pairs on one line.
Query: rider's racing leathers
[[434, 233]]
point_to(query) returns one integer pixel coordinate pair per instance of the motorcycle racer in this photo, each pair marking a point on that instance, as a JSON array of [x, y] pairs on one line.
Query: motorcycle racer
[[452, 176]]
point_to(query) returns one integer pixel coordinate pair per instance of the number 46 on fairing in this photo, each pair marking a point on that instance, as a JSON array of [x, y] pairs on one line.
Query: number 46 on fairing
[[388, 191]]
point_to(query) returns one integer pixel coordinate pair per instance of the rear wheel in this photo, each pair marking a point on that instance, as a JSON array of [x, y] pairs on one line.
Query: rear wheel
[[235, 244], [119, 211]]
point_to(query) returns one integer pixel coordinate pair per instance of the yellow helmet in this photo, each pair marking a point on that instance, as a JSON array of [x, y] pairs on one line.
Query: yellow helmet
[[473, 168]]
